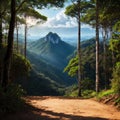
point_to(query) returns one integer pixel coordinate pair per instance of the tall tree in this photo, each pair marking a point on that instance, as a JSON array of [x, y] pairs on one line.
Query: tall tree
[[0, 28], [34, 15], [75, 10], [97, 46], [18, 22], [7, 59], [79, 48], [92, 17]]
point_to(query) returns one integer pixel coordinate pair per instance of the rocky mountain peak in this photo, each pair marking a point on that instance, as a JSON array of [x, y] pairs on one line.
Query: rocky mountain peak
[[53, 37]]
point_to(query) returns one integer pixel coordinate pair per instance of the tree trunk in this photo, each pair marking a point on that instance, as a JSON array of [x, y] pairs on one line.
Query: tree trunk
[[97, 47], [1, 68], [6, 36], [79, 51], [0, 30], [8, 55], [25, 46], [17, 37], [104, 57]]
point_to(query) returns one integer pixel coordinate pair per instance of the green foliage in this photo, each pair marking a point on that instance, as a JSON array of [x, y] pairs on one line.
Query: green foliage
[[30, 12], [115, 47], [72, 67], [72, 91], [47, 3], [88, 93], [41, 84], [88, 60], [88, 65], [11, 101], [115, 41], [20, 66], [105, 93], [75, 9], [116, 79]]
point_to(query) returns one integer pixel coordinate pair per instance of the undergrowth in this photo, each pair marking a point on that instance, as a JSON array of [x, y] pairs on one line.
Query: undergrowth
[[73, 92], [109, 97], [10, 101], [105, 93]]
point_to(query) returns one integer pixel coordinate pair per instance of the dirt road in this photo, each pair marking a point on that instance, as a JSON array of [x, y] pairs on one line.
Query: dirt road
[[58, 108]]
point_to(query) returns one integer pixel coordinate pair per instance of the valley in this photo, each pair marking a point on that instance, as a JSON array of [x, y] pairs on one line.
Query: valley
[[49, 56]]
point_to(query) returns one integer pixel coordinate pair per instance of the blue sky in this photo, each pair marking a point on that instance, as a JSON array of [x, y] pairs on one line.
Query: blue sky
[[58, 22]]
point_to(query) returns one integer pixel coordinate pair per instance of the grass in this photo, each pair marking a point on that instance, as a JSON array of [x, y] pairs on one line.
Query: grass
[[105, 93]]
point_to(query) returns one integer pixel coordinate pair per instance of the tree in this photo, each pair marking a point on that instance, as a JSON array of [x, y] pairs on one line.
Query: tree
[[29, 12], [76, 10], [93, 18], [97, 46], [7, 59], [18, 22], [97, 41]]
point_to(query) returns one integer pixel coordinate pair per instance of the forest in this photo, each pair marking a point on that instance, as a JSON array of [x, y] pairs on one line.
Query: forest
[[52, 67]]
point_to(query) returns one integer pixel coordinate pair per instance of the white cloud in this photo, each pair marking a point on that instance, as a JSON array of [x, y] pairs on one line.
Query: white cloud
[[60, 21]]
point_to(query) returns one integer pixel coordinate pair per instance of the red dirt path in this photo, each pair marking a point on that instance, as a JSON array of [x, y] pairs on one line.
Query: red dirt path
[[59, 108]]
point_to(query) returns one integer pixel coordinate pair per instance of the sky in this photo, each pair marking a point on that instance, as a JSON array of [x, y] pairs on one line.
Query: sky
[[58, 22]]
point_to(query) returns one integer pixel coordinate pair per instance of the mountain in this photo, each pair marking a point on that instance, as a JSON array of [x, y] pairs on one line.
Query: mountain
[[48, 56], [51, 48], [46, 78]]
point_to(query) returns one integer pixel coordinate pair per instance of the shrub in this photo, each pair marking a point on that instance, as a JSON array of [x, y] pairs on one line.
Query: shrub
[[105, 93], [116, 79], [11, 100], [88, 93], [72, 91]]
